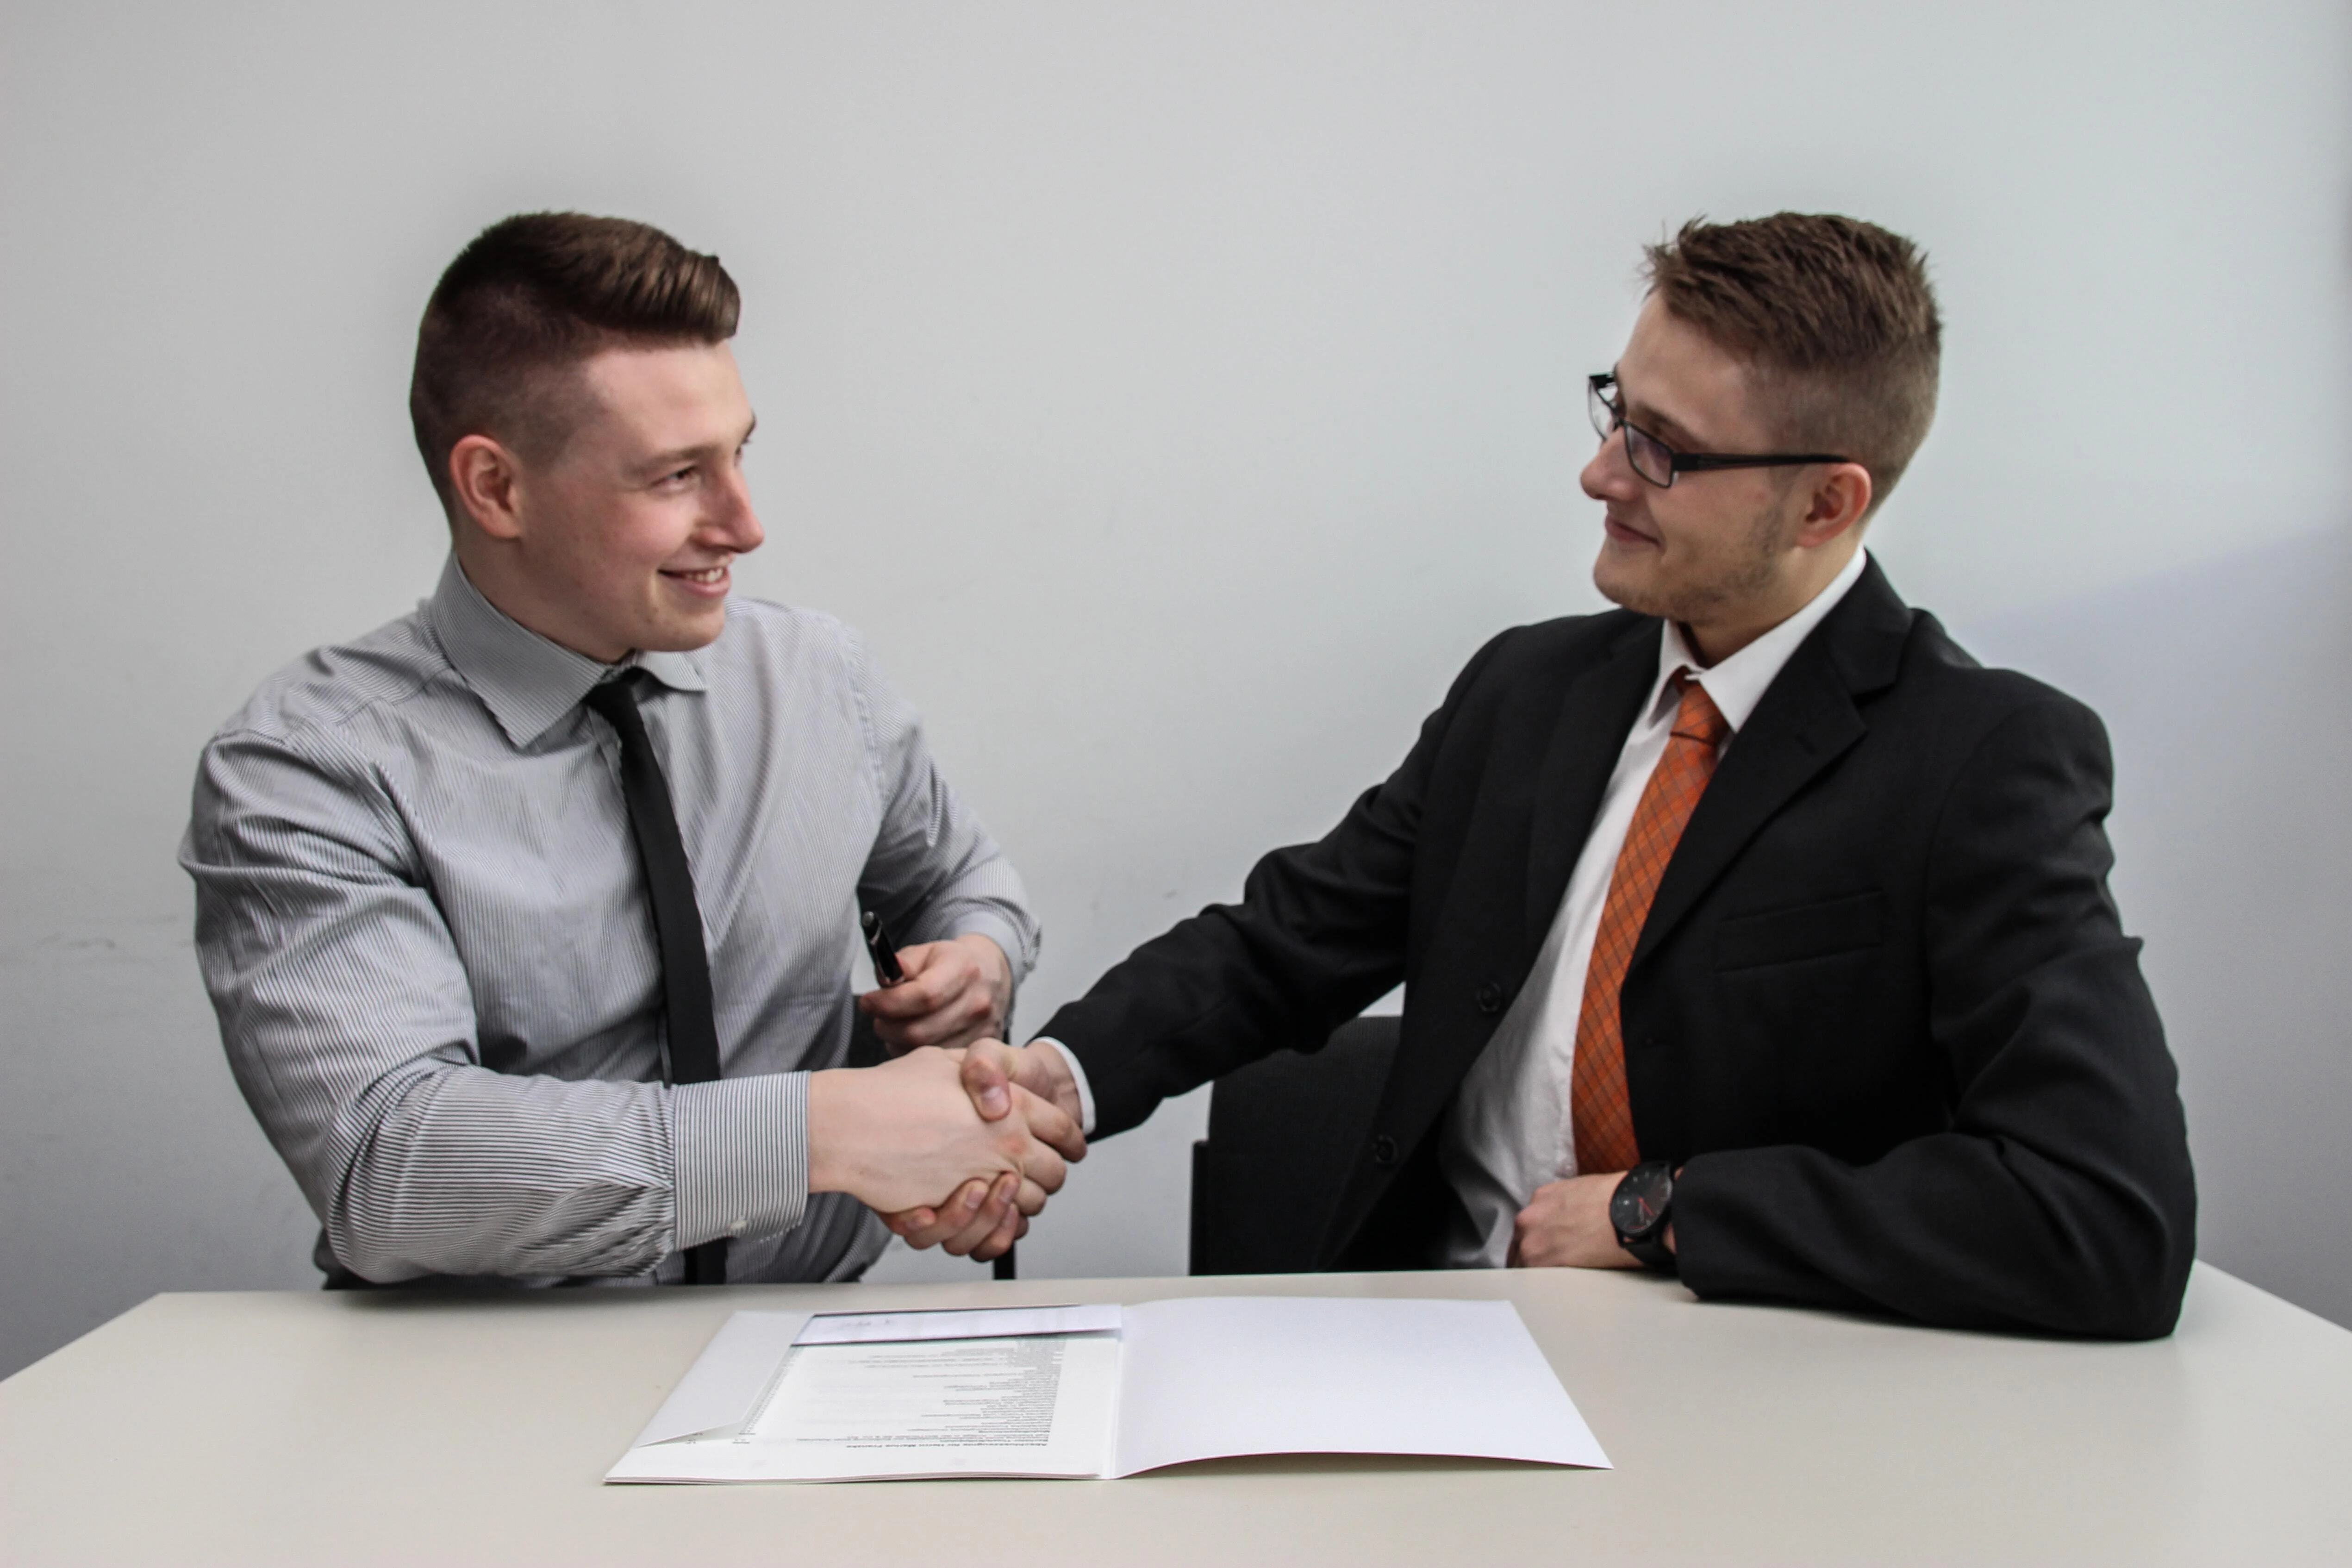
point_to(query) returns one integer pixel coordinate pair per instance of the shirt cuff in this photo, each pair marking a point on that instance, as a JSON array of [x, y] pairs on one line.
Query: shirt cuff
[[741, 1148], [1078, 1072]]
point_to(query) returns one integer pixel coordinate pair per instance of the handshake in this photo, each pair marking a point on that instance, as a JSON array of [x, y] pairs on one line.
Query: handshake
[[962, 1138], [991, 1128]]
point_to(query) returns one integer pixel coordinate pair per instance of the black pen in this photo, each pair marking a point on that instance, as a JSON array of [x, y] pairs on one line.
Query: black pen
[[878, 945]]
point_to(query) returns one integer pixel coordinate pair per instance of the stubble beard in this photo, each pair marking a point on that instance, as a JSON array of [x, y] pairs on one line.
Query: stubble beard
[[1744, 576]]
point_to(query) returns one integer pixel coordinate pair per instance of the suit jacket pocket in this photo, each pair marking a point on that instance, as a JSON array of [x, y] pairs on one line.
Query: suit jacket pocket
[[1808, 931]]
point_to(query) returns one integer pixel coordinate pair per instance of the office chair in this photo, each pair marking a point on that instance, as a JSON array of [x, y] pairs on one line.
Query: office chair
[[1283, 1134]]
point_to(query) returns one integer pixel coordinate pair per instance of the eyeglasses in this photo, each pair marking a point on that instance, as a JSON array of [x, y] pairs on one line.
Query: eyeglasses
[[1659, 463]]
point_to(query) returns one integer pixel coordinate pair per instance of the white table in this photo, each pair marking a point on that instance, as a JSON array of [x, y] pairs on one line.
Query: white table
[[308, 1427]]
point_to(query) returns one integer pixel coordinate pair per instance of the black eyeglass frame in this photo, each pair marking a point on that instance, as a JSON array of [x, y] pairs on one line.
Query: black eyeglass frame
[[1609, 417]]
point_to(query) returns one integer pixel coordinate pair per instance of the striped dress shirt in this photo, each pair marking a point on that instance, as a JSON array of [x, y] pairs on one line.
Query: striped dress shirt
[[424, 925]]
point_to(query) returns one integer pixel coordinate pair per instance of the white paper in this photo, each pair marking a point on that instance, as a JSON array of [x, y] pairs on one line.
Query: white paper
[[1036, 1406], [987, 1322], [726, 1379], [913, 1395], [1210, 1376]]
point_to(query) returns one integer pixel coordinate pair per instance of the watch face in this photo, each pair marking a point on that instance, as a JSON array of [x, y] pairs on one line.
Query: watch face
[[1641, 1198]]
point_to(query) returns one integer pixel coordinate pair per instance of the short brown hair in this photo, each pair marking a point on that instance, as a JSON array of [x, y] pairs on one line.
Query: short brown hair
[[529, 298], [1836, 316]]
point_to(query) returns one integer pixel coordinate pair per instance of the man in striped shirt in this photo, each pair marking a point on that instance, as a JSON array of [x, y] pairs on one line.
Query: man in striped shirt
[[420, 910]]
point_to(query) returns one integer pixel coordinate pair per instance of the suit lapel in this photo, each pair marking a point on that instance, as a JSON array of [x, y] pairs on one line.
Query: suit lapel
[[1806, 722], [1586, 740], [1515, 836]]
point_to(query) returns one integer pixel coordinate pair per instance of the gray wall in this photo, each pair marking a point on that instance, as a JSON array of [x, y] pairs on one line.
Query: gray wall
[[1175, 394]]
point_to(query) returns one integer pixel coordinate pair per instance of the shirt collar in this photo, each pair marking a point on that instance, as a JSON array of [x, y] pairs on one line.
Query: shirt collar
[[526, 681], [1739, 683]]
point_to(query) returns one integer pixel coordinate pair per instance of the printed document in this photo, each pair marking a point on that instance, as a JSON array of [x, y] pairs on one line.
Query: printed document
[[1107, 1391]]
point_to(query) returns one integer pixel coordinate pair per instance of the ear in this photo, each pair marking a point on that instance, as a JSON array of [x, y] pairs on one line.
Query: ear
[[484, 477], [1841, 497]]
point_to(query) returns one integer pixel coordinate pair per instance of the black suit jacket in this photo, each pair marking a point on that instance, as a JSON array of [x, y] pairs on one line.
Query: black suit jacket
[[1884, 1009]]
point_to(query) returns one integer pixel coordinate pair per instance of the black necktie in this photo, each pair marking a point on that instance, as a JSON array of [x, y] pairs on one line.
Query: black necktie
[[677, 922]]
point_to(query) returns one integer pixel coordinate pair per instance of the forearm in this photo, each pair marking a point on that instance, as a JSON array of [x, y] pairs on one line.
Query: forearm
[[451, 1169], [1180, 1010], [1963, 1231]]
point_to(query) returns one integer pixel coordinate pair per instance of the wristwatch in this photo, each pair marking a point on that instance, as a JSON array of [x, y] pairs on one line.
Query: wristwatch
[[1642, 1208]]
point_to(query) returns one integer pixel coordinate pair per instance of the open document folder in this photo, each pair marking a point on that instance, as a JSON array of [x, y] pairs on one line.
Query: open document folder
[[1100, 1392]]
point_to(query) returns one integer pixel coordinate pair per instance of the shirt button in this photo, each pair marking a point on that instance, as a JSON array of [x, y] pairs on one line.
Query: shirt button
[[1384, 1150], [1490, 997]]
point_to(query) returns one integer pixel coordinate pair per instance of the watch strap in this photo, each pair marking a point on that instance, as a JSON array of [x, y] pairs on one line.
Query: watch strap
[[1653, 1251]]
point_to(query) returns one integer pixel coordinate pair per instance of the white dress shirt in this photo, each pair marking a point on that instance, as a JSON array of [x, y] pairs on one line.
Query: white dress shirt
[[1510, 1131]]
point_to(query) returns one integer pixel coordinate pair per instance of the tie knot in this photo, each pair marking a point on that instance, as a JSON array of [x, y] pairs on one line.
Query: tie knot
[[1698, 718], [618, 695]]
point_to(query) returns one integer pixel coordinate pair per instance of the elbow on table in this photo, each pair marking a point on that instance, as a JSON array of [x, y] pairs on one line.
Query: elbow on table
[[382, 1229], [2134, 1309], [369, 1221], [375, 1264], [2144, 1304], [2126, 1275]]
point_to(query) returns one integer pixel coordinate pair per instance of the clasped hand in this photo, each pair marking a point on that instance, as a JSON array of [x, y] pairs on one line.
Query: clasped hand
[[969, 1124]]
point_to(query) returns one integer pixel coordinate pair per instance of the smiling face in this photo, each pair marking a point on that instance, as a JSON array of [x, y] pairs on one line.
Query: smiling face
[[622, 538], [1729, 554]]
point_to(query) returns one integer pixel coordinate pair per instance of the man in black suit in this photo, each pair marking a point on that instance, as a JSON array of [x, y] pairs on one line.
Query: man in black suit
[[1750, 930]]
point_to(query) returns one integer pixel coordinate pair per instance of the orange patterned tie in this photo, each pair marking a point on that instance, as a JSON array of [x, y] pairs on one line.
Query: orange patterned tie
[[1599, 1111]]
